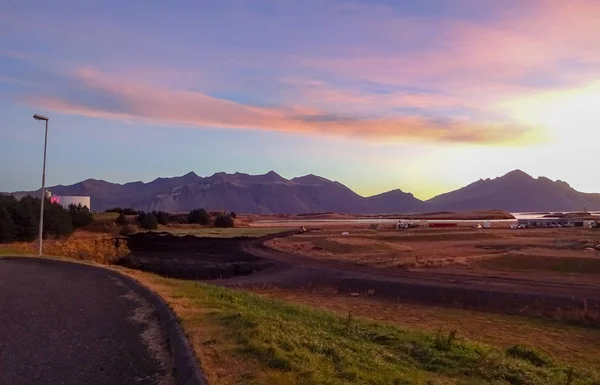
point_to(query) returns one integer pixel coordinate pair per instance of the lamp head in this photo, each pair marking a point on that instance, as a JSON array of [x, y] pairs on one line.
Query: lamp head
[[40, 117]]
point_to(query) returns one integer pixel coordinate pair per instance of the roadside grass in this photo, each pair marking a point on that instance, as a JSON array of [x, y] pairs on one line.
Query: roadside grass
[[242, 338], [9, 249], [571, 344], [525, 262], [81, 245], [214, 232]]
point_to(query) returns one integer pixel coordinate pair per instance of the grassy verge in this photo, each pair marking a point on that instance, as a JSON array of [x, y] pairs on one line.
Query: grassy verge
[[242, 338], [10, 250], [575, 345]]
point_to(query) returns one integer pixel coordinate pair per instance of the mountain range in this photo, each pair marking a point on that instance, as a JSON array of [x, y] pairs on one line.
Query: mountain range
[[270, 193]]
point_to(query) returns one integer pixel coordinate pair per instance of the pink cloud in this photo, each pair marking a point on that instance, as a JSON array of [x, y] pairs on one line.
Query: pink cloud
[[142, 102], [471, 57], [323, 95]]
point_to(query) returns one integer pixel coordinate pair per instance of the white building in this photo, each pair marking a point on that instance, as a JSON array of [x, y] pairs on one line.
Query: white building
[[65, 201]]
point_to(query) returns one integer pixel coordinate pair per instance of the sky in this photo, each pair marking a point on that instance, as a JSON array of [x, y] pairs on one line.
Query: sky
[[424, 96]]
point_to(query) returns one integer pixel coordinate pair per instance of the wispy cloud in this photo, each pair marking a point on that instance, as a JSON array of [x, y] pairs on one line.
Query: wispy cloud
[[141, 102], [550, 37]]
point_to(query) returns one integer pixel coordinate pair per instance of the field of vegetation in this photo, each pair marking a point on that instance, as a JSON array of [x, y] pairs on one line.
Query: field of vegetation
[[302, 337], [542, 250], [242, 338], [214, 232]]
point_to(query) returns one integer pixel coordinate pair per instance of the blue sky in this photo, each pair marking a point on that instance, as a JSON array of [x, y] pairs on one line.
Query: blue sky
[[425, 96]]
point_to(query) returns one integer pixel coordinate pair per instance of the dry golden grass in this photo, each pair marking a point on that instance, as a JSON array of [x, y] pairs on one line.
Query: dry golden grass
[[460, 247], [82, 245]]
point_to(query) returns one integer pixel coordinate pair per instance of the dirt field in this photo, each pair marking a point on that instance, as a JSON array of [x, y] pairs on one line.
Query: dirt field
[[473, 251], [250, 262]]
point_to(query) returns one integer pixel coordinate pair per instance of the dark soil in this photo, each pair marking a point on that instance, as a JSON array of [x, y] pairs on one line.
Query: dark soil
[[243, 262]]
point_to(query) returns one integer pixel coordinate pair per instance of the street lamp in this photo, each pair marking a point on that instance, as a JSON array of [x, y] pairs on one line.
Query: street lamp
[[45, 118]]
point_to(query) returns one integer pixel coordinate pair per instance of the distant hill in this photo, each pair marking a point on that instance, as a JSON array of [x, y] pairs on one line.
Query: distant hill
[[516, 191], [271, 193]]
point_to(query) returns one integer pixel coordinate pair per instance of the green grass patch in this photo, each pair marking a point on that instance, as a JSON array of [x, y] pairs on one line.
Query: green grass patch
[[528, 354], [291, 344], [516, 261], [211, 232]]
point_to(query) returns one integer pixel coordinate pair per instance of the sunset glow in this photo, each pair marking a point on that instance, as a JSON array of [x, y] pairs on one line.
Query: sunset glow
[[423, 96]]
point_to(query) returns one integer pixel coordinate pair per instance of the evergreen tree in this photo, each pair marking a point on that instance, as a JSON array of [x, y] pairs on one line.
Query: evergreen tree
[[80, 215], [199, 216], [162, 217], [122, 219], [57, 220], [148, 221], [224, 220], [8, 230]]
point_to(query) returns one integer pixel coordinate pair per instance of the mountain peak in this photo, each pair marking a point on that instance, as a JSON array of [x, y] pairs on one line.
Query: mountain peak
[[190, 174], [518, 174], [311, 179], [273, 174]]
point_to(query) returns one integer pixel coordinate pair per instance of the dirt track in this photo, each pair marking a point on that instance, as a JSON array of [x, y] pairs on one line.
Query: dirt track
[[248, 262]]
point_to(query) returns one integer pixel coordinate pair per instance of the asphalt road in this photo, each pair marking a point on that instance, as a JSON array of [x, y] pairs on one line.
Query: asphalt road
[[69, 324]]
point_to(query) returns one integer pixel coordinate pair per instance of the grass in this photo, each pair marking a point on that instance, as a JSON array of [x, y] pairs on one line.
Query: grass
[[223, 232], [8, 250], [515, 261], [242, 338], [106, 216], [571, 344]]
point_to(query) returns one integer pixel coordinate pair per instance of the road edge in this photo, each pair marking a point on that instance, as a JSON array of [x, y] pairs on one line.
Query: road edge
[[188, 371]]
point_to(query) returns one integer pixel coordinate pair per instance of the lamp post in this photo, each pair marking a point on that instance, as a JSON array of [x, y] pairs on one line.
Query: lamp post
[[45, 118]]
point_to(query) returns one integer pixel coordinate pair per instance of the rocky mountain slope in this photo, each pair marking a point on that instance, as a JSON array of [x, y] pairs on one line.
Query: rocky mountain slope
[[517, 191], [270, 193], [266, 194]]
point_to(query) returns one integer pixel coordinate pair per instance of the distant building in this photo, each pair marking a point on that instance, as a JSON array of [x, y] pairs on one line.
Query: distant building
[[555, 222], [65, 200]]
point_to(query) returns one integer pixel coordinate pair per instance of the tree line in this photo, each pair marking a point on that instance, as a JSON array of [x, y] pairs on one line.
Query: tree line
[[19, 219], [151, 220]]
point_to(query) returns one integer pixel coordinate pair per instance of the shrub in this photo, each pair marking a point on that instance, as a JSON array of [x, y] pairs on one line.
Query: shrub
[[80, 215], [527, 354], [122, 219], [148, 221], [162, 217], [115, 210], [128, 230], [223, 221], [129, 211], [199, 216], [233, 215]]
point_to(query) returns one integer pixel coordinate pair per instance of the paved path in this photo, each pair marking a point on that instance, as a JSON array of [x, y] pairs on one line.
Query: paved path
[[70, 324]]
